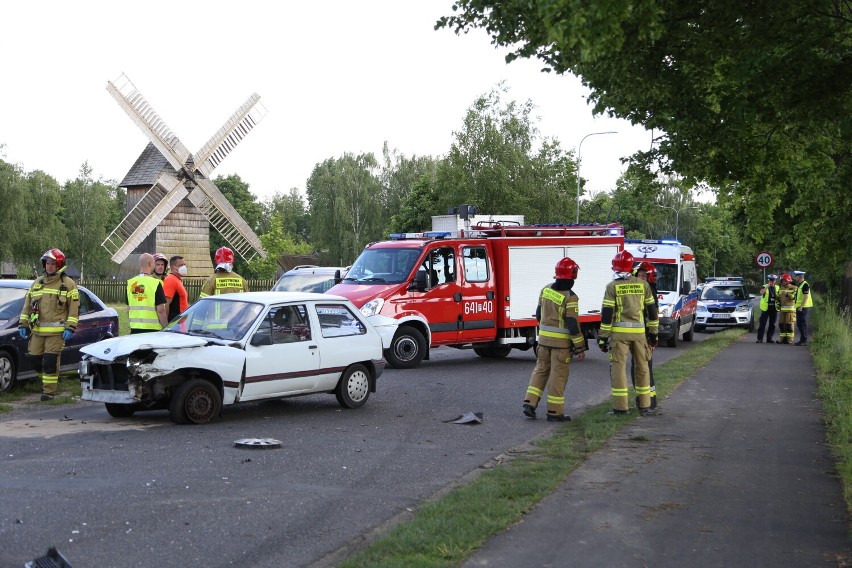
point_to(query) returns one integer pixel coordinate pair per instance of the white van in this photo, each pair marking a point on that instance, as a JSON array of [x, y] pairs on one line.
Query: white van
[[677, 281]]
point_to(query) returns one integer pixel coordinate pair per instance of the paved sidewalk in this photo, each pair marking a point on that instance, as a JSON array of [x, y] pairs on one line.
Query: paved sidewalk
[[734, 472]]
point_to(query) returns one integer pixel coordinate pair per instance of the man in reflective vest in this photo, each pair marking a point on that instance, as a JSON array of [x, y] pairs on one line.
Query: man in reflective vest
[[804, 303], [146, 301], [787, 301], [223, 280], [623, 330], [50, 315], [768, 309], [559, 339]]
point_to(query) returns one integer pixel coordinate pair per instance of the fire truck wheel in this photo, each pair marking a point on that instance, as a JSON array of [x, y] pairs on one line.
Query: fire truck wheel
[[497, 352], [407, 349]]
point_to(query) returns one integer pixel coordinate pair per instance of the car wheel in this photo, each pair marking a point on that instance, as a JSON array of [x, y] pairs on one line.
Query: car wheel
[[120, 410], [7, 372], [751, 324], [407, 348], [672, 341], [195, 402], [493, 352], [689, 334], [353, 388]]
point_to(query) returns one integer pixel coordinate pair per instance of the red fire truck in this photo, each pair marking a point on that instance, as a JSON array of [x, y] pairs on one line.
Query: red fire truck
[[477, 290]]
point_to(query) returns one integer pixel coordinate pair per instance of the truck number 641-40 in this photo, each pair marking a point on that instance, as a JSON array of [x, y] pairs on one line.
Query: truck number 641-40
[[486, 306]]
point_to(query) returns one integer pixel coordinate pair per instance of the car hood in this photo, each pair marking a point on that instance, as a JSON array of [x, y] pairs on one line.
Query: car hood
[[360, 294], [110, 349]]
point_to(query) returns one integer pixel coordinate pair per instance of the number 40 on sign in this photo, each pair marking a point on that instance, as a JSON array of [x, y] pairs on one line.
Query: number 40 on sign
[[763, 259]]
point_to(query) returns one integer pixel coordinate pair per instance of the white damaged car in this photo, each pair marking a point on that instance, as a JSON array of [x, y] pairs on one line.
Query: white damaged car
[[236, 348]]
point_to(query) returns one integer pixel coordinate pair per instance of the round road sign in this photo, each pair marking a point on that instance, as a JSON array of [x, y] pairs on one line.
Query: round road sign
[[763, 259]]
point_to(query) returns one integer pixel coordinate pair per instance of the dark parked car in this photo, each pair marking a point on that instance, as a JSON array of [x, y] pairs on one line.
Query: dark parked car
[[97, 322]]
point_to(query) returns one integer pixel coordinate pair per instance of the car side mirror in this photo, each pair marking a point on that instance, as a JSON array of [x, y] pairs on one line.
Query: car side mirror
[[419, 282], [687, 287], [261, 338], [337, 278]]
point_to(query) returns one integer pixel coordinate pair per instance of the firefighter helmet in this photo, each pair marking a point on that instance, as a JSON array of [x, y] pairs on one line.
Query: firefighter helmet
[[785, 279], [224, 256], [55, 255], [567, 269], [647, 267], [622, 262], [160, 256]]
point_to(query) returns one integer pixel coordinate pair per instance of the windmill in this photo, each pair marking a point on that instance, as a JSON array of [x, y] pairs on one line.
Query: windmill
[[171, 200]]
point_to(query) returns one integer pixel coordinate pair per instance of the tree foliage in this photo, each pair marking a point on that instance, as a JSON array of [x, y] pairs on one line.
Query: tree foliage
[[753, 98], [236, 191]]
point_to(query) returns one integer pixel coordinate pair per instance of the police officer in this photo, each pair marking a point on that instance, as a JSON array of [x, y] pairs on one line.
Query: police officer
[[787, 302], [804, 303], [50, 317], [648, 272], [768, 309], [146, 302], [559, 339], [223, 280], [624, 329]]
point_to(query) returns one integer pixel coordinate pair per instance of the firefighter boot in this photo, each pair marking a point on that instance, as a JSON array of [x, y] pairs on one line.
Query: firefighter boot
[[558, 418], [529, 411]]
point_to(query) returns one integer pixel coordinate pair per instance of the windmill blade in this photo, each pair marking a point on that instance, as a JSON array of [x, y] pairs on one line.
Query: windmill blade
[[157, 202], [226, 220], [140, 111], [231, 134]]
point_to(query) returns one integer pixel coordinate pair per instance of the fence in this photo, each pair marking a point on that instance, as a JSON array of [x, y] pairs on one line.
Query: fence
[[115, 291]]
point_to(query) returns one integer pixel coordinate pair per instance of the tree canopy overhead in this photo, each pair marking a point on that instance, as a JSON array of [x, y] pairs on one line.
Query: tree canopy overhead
[[752, 97]]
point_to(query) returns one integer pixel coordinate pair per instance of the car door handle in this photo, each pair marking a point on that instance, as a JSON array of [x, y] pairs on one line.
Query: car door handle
[[312, 346]]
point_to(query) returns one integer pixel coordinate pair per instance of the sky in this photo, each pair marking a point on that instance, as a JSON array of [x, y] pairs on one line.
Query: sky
[[334, 77]]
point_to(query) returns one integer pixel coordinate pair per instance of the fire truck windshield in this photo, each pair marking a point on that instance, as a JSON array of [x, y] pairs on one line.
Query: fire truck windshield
[[383, 266]]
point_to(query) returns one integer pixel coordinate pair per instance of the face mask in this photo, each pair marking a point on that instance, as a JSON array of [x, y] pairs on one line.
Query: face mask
[[182, 270]]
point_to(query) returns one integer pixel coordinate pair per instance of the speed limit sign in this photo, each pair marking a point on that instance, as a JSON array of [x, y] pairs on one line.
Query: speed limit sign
[[763, 259]]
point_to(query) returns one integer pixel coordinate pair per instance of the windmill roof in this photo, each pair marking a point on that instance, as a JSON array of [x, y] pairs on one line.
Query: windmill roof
[[148, 167]]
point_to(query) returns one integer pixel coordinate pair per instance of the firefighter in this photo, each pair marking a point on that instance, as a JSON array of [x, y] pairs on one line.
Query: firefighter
[[768, 309], [804, 303], [161, 266], [223, 280], [648, 272], [559, 339], [146, 302], [624, 330], [787, 301], [49, 319]]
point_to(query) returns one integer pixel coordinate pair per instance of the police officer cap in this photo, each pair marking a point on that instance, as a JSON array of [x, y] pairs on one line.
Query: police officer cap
[[798, 273], [773, 277]]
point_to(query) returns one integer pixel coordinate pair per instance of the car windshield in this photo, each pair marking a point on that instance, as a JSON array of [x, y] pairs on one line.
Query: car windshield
[[219, 318], [11, 303], [383, 266], [304, 282], [724, 293], [666, 277]]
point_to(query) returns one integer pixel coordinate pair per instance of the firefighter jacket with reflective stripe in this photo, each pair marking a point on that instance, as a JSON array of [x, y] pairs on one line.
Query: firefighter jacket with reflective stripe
[[223, 283], [52, 305], [803, 295], [559, 326], [625, 303], [142, 300], [769, 297], [787, 298]]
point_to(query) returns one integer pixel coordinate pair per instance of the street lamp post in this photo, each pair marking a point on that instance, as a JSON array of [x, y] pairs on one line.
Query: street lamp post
[[579, 153], [677, 214]]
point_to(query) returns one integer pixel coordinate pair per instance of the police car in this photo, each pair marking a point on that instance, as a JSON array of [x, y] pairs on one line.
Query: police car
[[724, 302]]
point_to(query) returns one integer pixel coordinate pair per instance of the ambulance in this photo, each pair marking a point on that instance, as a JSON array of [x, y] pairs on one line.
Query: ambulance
[[677, 283], [476, 288]]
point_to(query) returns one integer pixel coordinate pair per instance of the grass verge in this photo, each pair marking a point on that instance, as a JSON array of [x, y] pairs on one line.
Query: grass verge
[[446, 531], [831, 346]]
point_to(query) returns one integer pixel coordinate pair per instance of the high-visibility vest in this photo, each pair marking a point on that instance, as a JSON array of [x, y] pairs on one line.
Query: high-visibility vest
[[764, 298], [142, 297], [804, 300]]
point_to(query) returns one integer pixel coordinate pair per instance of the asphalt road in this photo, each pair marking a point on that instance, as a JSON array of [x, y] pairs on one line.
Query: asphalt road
[[146, 492]]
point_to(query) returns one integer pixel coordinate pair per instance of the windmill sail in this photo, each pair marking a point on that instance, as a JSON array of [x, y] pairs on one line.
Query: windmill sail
[[226, 220], [156, 204], [231, 134]]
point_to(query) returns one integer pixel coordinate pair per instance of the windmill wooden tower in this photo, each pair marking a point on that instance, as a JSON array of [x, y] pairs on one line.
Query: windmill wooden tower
[[171, 201]]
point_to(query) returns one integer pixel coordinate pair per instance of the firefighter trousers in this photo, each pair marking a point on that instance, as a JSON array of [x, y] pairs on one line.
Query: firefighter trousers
[[620, 349], [787, 325], [552, 366], [46, 351]]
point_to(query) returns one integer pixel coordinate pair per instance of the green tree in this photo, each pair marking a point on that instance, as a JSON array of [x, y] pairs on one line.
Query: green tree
[[12, 211], [400, 175], [752, 98], [289, 211], [40, 225], [236, 191], [276, 243]]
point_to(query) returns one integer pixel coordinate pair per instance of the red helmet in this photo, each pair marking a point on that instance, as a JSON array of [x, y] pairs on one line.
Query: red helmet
[[622, 262], [224, 255], [785, 279], [567, 269], [647, 267], [55, 255]]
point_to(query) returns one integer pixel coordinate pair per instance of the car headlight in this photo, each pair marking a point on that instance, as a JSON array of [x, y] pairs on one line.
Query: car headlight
[[702, 307], [743, 308], [372, 307], [85, 368], [666, 311]]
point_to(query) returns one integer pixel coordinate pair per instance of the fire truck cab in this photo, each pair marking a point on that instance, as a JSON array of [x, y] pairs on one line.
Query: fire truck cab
[[476, 290]]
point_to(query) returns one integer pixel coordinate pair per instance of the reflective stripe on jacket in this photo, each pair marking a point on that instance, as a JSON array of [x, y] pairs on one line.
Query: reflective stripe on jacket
[[803, 299], [142, 297], [53, 299], [624, 304], [765, 297], [558, 316]]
